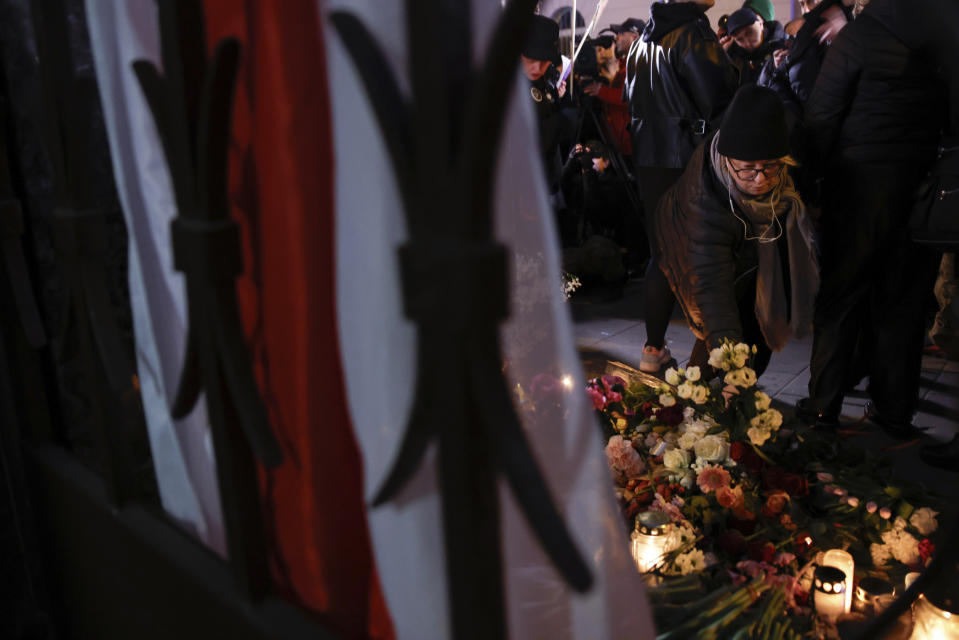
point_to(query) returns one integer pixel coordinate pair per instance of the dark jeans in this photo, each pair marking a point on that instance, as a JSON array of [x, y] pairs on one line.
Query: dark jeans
[[659, 298], [874, 285]]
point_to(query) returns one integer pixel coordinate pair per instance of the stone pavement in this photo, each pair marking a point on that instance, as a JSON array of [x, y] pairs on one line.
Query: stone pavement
[[617, 330]]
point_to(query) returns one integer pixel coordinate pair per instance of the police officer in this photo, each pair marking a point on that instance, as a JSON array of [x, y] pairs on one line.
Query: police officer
[[540, 58]]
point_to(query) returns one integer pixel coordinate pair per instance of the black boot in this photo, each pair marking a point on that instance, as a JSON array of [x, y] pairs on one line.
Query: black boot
[[944, 456], [901, 429], [806, 413]]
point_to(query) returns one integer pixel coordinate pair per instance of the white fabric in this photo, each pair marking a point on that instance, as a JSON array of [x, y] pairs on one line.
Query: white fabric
[[378, 346], [122, 32]]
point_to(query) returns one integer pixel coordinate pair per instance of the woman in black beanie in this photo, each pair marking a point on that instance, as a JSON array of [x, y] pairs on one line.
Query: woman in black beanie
[[733, 237]]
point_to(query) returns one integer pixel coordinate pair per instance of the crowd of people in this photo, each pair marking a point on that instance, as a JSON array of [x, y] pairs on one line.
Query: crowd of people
[[762, 176]]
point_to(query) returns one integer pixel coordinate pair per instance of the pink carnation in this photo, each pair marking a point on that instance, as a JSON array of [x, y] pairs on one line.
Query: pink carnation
[[712, 478], [623, 458], [599, 400]]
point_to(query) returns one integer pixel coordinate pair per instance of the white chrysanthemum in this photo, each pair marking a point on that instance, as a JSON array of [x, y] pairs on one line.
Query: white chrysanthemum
[[684, 391], [924, 520], [692, 561], [693, 374], [666, 400], [757, 436], [762, 401], [672, 376]]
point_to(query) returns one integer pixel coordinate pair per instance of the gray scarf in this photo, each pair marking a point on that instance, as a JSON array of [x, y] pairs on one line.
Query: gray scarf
[[780, 211]]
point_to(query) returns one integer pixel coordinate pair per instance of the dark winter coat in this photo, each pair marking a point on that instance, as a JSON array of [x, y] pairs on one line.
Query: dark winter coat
[[751, 63], [702, 250], [554, 127], [678, 82], [877, 98], [794, 79]]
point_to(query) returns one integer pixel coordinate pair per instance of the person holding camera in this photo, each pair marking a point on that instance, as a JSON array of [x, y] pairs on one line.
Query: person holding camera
[[754, 43], [594, 193], [678, 81]]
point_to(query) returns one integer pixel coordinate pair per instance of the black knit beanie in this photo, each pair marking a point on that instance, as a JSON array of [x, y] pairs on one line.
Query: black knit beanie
[[754, 126]]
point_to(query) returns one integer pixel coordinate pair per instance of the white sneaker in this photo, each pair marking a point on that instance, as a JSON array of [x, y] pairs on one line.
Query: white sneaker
[[653, 359]]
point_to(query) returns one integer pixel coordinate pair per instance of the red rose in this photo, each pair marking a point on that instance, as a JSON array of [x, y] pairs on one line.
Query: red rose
[[737, 451], [775, 503], [796, 485], [803, 541], [732, 542], [648, 409], [745, 455], [671, 416], [742, 525], [761, 551], [926, 549]]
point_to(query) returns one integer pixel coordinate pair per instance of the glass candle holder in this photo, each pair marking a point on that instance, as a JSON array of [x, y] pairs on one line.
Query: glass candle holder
[[829, 592], [648, 543], [843, 561], [873, 595], [932, 623]]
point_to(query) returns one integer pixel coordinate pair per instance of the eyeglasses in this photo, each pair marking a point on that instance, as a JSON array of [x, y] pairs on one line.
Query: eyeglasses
[[768, 170]]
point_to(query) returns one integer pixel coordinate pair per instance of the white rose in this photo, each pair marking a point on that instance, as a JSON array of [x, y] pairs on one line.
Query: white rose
[[666, 400], [688, 413], [684, 391], [700, 394], [693, 374], [757, 436], [880, 554], [712, 448], [924, 520], [676, 459], [688, 440], [762, 401], [899, 523], [672, 376]]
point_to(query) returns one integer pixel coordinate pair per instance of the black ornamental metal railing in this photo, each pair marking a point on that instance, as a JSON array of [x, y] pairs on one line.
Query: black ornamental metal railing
[[192, 105], [442, 141]]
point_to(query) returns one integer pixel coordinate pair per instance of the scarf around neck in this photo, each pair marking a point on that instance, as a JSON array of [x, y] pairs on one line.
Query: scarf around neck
[[780, 211]]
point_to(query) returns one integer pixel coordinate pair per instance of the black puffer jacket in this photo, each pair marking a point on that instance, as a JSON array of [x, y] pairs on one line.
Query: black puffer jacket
[[877, 98], [794, 79], [678, 82], [702, 250], [751, 63]]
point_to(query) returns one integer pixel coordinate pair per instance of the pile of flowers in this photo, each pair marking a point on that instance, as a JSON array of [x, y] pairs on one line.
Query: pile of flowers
[[753, 504]]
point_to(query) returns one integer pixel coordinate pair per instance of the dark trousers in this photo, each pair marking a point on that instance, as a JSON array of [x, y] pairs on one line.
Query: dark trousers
[[659, 298], [875, 282]]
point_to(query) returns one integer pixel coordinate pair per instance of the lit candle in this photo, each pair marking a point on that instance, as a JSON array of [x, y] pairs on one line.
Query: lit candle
[[843, 561], [829, 592], [649, 539], [932, 623], [873, 595]]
